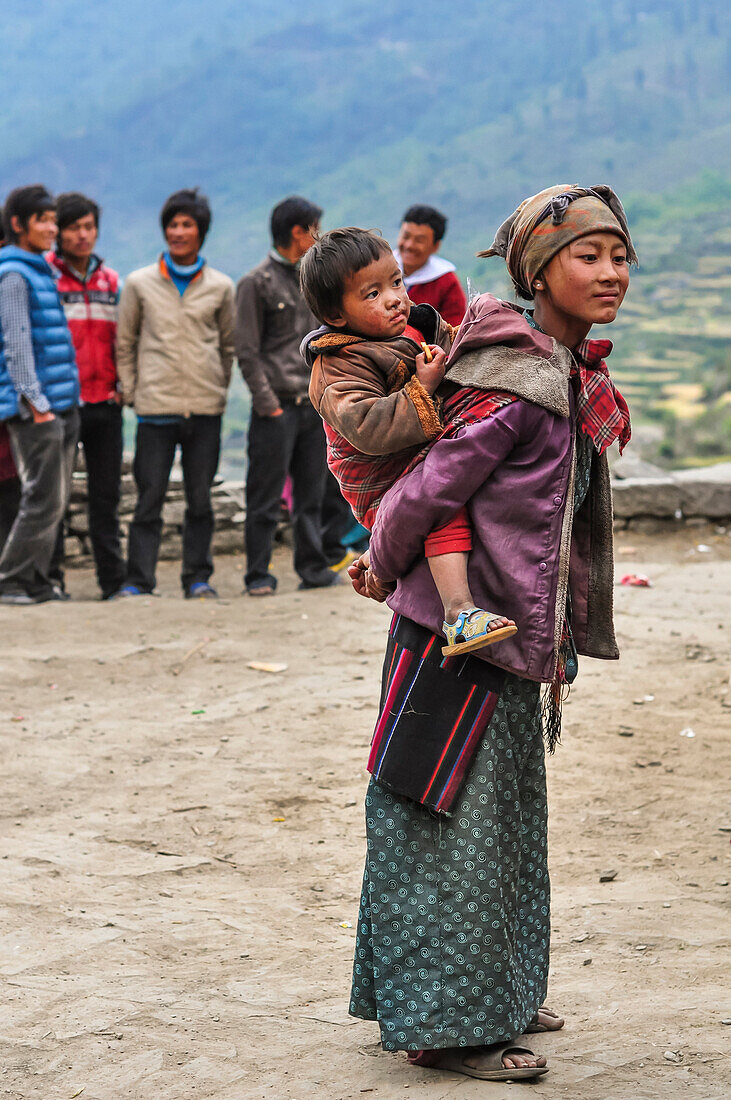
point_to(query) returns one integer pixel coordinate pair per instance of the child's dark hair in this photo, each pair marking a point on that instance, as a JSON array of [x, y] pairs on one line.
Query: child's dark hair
[[334, 257], [23, 203], [191, 202], [72, 205], [427, 215]]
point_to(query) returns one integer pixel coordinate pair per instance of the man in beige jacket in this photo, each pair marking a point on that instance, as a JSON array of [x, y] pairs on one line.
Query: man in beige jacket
[[175, 351]]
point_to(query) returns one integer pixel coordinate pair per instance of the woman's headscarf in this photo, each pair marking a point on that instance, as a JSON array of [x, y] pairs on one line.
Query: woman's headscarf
[[545, 223]]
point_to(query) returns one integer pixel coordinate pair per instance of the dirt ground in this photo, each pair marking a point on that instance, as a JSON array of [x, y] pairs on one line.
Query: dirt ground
[[182, 842]]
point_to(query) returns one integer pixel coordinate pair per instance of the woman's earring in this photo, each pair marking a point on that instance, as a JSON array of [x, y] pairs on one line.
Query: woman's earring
[[538, 285]]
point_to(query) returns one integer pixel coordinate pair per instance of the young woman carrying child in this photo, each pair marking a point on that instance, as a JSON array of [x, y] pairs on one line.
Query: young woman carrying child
[[453, 934]]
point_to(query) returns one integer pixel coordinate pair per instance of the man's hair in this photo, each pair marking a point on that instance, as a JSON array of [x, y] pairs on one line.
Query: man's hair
[[427, 215], [291, 212], [332, 259], [188, 201], [23, 203], [72, 205]]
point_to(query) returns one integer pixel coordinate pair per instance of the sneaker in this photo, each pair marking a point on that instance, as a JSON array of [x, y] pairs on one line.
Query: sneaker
[[263, 587], [328, 581], [357, 538], [128, 590], [17, 599], [59, 593], [201, 590], [109, 591], [348, 559]]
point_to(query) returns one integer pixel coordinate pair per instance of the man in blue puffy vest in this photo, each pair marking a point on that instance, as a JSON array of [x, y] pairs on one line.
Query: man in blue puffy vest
[[39, 394]]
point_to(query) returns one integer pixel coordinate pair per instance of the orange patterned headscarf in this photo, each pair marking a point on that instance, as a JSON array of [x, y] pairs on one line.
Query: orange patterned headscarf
[[545, 223]]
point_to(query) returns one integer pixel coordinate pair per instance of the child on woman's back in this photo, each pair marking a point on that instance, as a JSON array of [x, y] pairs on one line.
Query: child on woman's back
[[376, 390]]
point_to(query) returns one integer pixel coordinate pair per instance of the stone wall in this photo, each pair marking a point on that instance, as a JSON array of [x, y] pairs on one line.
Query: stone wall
[[228, 505], [650, 498], [691, 496]]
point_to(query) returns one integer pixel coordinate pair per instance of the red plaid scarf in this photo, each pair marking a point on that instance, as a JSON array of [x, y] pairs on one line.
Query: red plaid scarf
[[365, 479], [601, 411]]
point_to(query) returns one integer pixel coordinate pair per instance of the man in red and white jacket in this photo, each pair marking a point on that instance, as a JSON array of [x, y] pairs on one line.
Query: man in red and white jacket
[[89, 291], [427, 277]]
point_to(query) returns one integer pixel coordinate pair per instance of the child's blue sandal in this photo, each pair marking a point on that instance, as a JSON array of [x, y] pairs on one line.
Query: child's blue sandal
[[472, 631]]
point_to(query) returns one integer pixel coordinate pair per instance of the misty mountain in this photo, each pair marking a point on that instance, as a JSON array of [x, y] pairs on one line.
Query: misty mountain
[[365, 108]]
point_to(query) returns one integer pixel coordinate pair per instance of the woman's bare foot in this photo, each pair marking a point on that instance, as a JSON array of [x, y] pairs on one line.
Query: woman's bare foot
[[479, 1060], [545, 1020]]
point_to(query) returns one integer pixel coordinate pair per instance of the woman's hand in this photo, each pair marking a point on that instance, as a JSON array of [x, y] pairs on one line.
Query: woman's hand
[[376, 589], [365, 582], [357, 572]]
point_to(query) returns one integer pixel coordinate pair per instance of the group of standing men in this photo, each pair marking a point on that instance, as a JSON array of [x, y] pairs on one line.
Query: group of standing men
[[74, 350]]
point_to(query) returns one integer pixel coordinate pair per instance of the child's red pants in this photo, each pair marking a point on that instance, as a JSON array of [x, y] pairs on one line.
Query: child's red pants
[[451, 537]]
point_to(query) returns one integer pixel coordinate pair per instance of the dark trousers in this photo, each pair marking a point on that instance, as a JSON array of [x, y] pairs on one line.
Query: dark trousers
[[293, 443], [101, 437], [44, 456], [9, 505], [199, 438], [337, 519]]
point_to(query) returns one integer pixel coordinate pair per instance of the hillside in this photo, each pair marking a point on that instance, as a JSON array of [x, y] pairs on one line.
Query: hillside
[[367, 110], [253, 101], [672, 339], [673, 335]]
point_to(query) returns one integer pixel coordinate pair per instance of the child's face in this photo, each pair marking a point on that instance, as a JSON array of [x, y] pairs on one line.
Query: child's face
[[375, 301]]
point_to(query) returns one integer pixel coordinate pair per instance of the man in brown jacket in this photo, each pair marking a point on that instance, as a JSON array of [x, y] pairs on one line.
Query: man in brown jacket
[[174, 358], [285, 433]]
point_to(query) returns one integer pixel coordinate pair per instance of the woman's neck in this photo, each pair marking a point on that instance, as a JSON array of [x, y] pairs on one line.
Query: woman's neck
[[568, 330]]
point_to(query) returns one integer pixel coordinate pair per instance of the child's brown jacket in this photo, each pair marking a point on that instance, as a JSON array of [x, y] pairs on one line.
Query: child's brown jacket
[[367, 391]]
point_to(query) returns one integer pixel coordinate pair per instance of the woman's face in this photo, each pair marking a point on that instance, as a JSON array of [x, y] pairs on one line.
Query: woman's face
[[588, 279]]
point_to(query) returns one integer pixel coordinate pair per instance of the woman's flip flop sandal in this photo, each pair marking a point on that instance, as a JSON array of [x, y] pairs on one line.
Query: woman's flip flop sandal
[[493, 1070], [472, 631]]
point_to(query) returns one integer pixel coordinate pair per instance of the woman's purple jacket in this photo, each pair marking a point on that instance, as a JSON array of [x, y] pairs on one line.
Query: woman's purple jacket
[[514, 470]]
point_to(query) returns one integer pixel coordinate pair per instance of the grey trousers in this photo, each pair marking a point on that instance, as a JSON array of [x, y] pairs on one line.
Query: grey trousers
[[44, 455]]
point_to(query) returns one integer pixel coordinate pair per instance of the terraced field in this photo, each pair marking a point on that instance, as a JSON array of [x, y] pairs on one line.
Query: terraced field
[[672, 338], [672, 356]]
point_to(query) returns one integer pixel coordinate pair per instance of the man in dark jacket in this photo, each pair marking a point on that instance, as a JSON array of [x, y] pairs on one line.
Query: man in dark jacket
[[285, 433], [89, 291], [39, 395]]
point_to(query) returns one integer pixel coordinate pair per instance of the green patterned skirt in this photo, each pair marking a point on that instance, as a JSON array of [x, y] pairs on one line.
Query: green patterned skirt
[[454, 925]]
